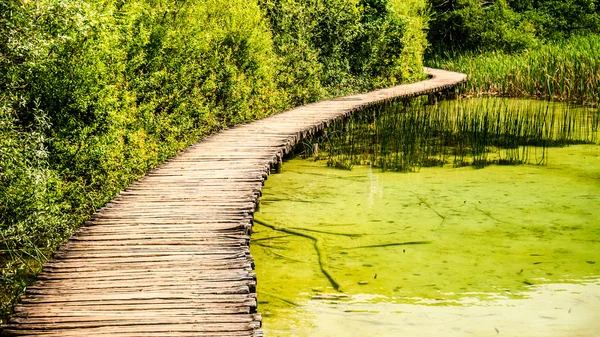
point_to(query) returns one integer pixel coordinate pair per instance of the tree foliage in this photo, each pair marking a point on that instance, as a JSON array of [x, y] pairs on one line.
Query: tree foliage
[[336, 46], [508, 25], [94, 93]]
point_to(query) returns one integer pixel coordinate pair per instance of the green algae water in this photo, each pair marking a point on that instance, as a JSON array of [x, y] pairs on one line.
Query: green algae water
[[499, 251]]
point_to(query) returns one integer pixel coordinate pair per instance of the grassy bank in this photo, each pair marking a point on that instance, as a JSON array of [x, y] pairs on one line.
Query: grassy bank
[[94, 93], [568, 70]]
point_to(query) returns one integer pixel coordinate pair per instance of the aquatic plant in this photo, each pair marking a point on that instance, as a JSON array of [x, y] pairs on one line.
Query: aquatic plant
[[567, 70], [407, 135], [506, 226]]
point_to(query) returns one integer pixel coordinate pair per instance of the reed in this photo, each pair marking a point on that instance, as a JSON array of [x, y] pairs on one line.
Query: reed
[[567, 70], [405, 136]]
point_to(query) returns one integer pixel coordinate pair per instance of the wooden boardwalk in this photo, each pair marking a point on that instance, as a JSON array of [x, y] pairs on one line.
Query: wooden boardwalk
[[169, 256]]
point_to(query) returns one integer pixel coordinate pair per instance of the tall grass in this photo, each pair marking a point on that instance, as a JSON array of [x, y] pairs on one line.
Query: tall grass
[[408, 135], [567, 70]]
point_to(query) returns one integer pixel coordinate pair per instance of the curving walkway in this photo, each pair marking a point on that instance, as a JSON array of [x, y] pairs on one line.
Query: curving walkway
[[169, 256]]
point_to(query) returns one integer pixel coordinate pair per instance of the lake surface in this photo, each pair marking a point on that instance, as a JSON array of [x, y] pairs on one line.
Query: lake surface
[[499, 251]]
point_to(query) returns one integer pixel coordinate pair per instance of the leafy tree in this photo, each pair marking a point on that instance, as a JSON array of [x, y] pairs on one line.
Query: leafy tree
[[508, 25], [559, 19], [94, 93], [459, 25]]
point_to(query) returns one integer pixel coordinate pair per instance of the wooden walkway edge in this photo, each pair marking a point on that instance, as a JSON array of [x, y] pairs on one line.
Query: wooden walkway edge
[[169, 256]]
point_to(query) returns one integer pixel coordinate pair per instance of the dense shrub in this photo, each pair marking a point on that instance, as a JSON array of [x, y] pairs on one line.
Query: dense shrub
[[459, 25], [508, 25], [559, 19], [333, 47], [93, 93]]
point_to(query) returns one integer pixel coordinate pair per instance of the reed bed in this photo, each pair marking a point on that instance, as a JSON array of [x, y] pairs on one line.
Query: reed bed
[[405, 136], [566, 70]]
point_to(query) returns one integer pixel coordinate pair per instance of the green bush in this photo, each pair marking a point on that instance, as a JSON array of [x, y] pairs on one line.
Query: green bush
[[559, 19], [334, 47], [461, 25], [94, 93], [508, 25]]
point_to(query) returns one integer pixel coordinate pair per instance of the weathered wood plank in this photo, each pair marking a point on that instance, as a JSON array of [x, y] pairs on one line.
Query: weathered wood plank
[[169, 255]]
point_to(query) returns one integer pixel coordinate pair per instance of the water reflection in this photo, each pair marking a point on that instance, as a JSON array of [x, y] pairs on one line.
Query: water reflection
[[505, 250]]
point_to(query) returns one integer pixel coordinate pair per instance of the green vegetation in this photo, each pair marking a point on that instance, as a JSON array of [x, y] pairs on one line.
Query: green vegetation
[[333, 47], [545, 49], [568, 70], [508, 25], [94, 93], [406, 136], [524, 233]]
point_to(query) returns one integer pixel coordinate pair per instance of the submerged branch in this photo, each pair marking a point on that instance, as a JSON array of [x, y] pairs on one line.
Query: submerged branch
[[331, 233], [272, 248], [489, 215], [325, 224], [424, 201], [267, 200], [271, 238], [393, 244], [318, 247], [268, 246], [279, 298]]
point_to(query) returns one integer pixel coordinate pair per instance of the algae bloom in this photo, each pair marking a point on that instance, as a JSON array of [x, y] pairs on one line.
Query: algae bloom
[[505, 250]]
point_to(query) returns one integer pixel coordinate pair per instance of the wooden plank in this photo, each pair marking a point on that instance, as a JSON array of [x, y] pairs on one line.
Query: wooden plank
[[169, 255]]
